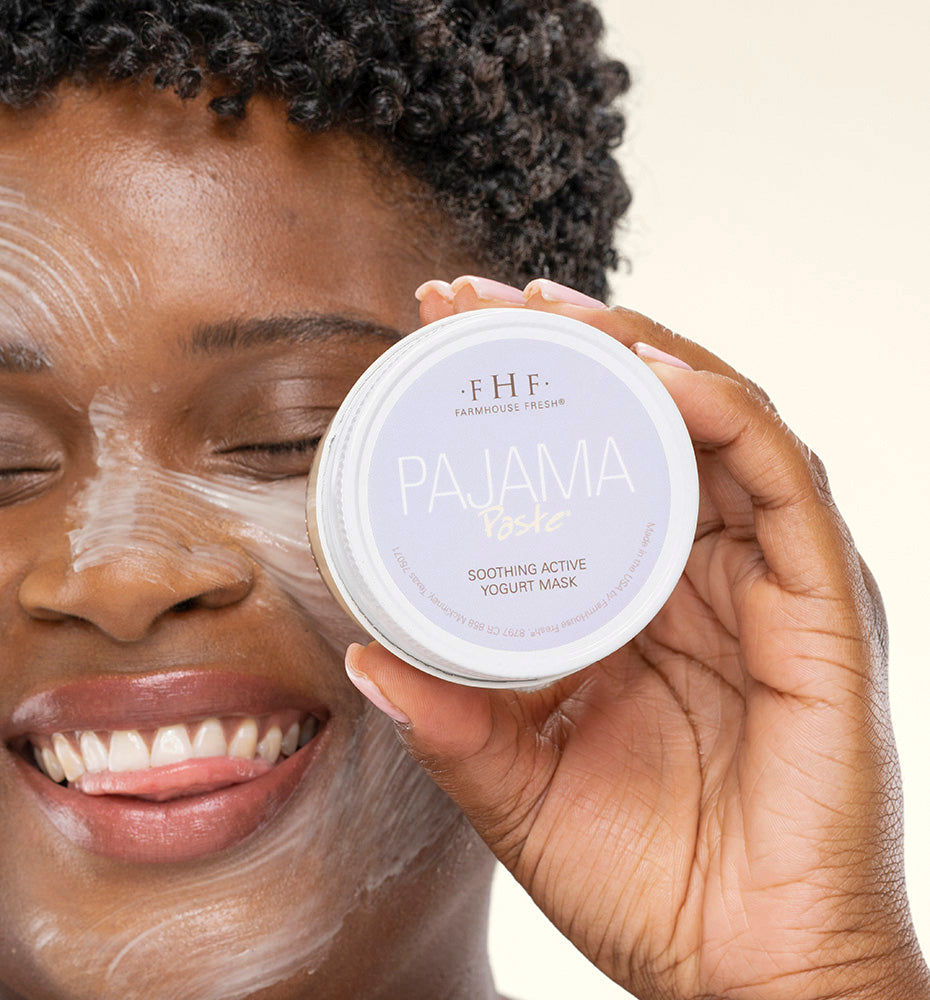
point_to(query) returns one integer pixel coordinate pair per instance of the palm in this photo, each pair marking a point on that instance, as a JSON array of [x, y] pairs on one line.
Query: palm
[[668, 762]]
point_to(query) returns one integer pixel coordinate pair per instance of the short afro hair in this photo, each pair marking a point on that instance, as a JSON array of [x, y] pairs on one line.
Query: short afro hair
[[501, 109]]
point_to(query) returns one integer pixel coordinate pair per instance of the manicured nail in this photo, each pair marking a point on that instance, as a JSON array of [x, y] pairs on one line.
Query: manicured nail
[[487, 288], [368, 687], [649, 353], [442, 288], [552, 291]]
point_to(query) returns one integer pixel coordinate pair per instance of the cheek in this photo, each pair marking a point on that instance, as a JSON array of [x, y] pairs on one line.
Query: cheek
[[269, 524], [132, 509], [272, 527]]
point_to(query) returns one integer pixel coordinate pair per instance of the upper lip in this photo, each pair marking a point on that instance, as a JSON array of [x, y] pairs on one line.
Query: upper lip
[[145, 701]]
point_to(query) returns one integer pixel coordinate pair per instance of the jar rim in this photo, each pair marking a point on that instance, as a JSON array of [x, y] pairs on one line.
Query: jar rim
[[344, 538]]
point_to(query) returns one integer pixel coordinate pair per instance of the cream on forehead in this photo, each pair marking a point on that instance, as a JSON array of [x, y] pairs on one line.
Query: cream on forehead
[[51, 276]]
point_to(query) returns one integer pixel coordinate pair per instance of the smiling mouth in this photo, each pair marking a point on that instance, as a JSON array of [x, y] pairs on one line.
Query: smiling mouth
[[171, 761], [165, 767]]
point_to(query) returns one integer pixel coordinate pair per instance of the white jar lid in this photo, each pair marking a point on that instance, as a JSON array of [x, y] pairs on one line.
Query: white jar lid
[[504, 497]]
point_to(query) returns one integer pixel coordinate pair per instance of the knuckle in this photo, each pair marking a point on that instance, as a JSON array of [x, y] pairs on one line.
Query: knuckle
[[761, 395], [818, 472], [740, 399], [750, 405]]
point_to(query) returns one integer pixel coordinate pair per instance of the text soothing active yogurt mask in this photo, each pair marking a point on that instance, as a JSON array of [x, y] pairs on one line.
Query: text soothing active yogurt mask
[[504, 497]]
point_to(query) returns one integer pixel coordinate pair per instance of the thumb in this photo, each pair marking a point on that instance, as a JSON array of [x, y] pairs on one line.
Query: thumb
[[480, 746]]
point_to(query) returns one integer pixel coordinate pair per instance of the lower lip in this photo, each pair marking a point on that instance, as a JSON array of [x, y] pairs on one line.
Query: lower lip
[[182, 829]]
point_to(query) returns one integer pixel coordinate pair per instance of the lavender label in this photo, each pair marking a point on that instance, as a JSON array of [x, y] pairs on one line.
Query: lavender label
[[519, 494]]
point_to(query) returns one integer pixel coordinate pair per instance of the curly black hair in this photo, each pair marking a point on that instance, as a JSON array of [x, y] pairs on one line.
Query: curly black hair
[[502, 109]]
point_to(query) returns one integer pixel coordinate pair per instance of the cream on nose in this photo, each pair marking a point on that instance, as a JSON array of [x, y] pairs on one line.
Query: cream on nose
[[141, 540]]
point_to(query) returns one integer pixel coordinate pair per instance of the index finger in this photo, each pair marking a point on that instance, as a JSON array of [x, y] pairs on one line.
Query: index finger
[[802, 536]]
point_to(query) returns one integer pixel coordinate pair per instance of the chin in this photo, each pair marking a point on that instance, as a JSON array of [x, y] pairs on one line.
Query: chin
[[304, 870]]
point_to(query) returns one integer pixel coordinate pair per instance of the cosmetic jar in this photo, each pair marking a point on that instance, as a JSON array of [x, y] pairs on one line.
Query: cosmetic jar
[[504, 497]]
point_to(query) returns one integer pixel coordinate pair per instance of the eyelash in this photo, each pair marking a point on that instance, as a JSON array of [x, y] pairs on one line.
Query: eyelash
[[276, 447], [23, 483], [271, 460]]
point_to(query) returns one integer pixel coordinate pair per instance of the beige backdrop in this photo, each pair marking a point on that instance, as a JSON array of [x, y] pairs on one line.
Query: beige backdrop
[[779, 156]]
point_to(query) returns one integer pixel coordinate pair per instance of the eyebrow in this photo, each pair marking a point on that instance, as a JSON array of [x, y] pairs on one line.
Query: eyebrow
[[235, 334], [16, 356]]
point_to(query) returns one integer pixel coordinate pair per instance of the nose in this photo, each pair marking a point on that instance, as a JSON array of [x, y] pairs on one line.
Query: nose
[[126, 596]]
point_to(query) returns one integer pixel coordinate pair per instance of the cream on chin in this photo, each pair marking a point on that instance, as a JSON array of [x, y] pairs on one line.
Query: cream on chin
[[368, 822]]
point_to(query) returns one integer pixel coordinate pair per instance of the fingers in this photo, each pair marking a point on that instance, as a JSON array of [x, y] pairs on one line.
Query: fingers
[[439, 299], [452, 719], [759, 482], [779, 570], [436, 301], [768, 484], [541, 293], [652, 341]]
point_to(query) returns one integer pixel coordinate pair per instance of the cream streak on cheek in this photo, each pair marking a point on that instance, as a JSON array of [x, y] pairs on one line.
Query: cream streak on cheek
[[374, 818], [166, 521]]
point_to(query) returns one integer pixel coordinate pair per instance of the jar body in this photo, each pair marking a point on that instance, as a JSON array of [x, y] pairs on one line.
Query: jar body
[[504, 497]]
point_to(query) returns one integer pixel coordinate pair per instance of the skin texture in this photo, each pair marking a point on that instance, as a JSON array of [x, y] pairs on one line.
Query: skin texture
[[144, 531], [714, 810]]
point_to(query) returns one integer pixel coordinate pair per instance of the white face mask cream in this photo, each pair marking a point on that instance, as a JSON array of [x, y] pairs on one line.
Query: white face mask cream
[[504, 497]]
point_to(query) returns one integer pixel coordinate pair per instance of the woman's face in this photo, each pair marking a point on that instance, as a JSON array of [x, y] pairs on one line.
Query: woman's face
[[183, 305]]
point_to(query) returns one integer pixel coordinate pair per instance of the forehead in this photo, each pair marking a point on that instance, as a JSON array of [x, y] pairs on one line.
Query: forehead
[[194, 211]]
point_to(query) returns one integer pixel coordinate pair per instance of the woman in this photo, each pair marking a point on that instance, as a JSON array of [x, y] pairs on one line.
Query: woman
[[187, 293]]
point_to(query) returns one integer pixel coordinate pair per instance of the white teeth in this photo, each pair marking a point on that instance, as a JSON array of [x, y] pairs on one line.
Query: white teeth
[[210, 740], [94, 752], [67, 756], [69, 759], [128, 751], [51, 766], [244, 740], [270, 745], [171, 745], [289, 740]]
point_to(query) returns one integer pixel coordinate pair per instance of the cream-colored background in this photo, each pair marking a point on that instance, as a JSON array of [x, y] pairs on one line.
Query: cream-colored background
[[779, 156]]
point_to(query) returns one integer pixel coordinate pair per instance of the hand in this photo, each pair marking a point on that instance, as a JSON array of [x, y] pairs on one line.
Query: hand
[[714, 809]]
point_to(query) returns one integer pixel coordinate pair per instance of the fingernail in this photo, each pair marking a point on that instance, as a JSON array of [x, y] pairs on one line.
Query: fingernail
[[552, 291], [442, 288], [649, 353], [368, 687], [487, 288]]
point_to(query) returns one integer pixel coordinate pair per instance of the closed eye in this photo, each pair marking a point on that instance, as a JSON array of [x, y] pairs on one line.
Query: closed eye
[[269, 460], [24, 482]]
